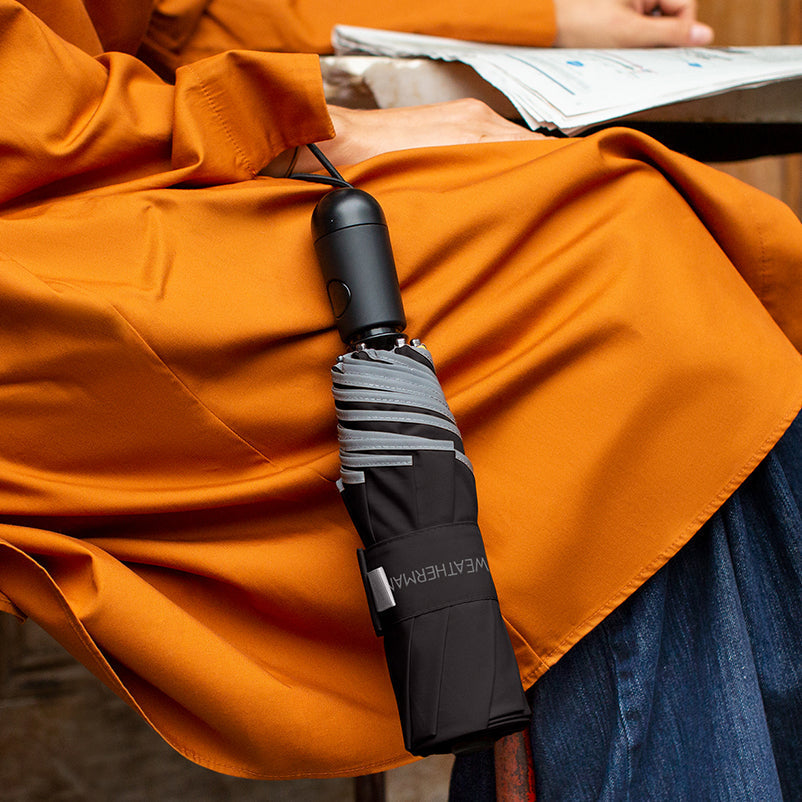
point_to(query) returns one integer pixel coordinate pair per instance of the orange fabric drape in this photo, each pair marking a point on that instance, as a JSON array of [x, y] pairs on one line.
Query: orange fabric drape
[[614, 326]]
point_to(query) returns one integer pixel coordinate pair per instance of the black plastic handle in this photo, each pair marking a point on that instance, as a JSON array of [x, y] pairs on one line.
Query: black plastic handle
[[355, 255]]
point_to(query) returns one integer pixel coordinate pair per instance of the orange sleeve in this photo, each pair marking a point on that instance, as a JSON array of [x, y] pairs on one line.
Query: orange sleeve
[[509, 22], [76, 122], [305, 26]]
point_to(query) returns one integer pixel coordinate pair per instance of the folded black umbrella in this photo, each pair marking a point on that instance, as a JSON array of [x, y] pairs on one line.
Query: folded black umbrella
[[410, 491]]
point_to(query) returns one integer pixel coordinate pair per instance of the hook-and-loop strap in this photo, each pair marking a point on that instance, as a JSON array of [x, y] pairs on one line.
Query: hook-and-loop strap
[[423, 571]]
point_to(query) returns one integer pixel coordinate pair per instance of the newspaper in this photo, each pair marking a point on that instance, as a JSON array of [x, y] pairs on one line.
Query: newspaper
[[574, 89]]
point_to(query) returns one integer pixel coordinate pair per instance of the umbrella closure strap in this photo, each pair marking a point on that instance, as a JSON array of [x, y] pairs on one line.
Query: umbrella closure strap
[[426, 570]]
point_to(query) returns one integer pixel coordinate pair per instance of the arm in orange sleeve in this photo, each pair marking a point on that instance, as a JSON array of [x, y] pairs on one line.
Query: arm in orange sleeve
[[71, 121], [305, 26]]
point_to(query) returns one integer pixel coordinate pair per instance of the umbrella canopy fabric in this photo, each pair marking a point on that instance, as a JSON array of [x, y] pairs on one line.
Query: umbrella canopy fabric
[[410, 491]]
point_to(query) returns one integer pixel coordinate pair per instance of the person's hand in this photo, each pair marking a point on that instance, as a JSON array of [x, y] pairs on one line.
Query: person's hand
[[629, 23], [363, 133]]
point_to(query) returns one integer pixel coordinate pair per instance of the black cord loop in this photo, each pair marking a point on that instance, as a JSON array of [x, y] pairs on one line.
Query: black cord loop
[[333, 179]]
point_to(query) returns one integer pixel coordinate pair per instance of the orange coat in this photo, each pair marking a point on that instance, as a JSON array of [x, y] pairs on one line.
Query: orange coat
[[614, 326]]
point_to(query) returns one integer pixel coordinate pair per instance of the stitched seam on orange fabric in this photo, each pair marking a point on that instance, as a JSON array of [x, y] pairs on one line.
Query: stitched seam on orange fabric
[[216, 110], [161, 362], [764, 262], [188, 390], [693, 527], [363, 768], [540, 667]]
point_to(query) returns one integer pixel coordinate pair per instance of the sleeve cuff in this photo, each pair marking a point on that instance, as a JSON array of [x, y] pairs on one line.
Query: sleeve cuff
[[237, 111]]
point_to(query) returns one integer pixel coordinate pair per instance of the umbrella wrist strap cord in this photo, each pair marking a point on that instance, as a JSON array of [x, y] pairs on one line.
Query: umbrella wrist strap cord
[[333, 179], [424, 571]]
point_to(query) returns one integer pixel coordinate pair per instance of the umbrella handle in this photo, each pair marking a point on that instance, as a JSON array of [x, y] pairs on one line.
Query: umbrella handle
[[430, 593], [356, 258]]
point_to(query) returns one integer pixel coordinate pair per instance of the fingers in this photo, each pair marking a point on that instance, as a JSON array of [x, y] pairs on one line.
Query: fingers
[[686, 30], [675, 8], [629, 23], [665, 31], [670, 8]]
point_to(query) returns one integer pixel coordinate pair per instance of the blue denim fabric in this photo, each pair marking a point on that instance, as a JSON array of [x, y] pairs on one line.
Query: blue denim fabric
[[692, 689]]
